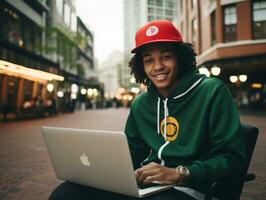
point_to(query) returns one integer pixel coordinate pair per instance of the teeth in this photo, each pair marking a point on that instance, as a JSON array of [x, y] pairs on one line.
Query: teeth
[[160, 76]]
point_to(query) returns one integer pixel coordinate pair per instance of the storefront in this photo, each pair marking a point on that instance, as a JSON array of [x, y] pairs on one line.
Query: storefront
[[245, 77], [76, 92], [23, 87]]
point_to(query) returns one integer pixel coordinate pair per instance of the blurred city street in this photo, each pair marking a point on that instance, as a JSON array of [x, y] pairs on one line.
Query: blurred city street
[[26, 172]]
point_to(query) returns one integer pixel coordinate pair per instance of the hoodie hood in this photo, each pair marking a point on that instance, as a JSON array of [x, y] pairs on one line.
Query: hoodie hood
[[186, 84]]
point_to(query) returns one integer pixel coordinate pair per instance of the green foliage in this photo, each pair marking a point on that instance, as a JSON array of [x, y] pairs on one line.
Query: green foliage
[[80, 69], [64, 43]]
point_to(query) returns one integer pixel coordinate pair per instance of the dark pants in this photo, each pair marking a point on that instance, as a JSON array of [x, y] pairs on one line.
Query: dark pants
[[71, 191]]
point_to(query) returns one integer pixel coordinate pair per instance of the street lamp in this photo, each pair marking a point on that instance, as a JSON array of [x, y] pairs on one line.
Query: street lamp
[[243, 78], [90, 92], [60, 94], [135, 90], [50, 87], [73, 96], [233, 79], [95, 92], [83, 91], [132, 80], [204, 70], [215, 70], [74, 88]]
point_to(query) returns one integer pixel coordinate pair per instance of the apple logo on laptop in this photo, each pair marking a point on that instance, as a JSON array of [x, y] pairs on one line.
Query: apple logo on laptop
[[84, 160]]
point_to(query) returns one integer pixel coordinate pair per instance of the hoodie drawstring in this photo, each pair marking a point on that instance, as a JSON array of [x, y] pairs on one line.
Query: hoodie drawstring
[[165, 116], [158, 115]]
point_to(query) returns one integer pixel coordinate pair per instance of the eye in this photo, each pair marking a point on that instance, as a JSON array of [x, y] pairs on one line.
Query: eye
[[147, 60], [166, 57]]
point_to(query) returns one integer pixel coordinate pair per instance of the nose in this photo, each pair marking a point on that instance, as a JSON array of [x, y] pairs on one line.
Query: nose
[[158, 65]]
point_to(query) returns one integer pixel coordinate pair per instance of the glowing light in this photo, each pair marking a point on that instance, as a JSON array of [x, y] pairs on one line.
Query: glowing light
[[215, 70], [132, 80], [243, 78], [130, 98], [60, 94], [233, 79], [125, 97], [73, 96], [74, 88], [135, 90], [50, 87], [83, 91], [12, 69], [90, 92], [256, 85], [95, 92], [204, 70]]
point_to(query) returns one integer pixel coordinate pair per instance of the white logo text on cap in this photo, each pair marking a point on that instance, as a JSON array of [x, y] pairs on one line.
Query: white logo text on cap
[[152, 30]]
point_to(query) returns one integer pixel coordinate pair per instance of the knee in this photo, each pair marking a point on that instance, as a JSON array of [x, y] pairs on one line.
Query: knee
[[64, 191]]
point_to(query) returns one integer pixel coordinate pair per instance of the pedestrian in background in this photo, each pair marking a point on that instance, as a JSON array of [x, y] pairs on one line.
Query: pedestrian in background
[[185, 130]]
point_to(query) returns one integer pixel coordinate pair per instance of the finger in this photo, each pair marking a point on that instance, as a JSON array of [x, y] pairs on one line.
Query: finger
[[144, 174], [145, 168], [166, 176], [150, 179], [157, 178]]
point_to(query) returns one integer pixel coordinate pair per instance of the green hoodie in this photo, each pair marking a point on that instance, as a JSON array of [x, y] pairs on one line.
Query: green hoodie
[[197, 126]]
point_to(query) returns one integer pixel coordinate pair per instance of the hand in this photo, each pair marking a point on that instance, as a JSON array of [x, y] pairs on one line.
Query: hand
[[156, 172]]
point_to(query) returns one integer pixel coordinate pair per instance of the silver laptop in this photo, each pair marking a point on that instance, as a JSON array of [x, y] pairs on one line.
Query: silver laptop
[[95, 158]]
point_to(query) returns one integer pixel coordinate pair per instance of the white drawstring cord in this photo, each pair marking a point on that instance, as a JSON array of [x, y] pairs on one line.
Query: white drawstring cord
[[165, 117], [158, 115]]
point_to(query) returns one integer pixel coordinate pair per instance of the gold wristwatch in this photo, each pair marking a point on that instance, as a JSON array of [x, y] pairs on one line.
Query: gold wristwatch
[[183, 172]]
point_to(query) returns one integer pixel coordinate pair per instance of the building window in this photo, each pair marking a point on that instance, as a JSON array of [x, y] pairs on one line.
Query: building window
[[151, 18], [73, 21], [194, 31], [67, 13], [193, 3], [259, 20], [168, 12], [213, 28], [59, 6], [13, 27], [179, 7], [151, 10], [28, 90], [230, 20], [159, 3], [14, 32], [151, 2], [169, 3], [159, 11]]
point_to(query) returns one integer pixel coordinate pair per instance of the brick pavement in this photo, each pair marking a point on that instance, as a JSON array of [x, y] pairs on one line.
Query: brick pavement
[[25, 168], [26, 172]]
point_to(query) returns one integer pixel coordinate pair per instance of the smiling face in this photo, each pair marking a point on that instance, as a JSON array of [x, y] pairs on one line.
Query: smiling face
[[161, 67]]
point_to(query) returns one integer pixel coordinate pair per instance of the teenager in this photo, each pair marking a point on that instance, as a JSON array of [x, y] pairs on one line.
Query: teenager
[[184, 130]]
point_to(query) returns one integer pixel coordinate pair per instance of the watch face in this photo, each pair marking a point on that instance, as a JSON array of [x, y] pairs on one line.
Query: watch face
[[184, 171]]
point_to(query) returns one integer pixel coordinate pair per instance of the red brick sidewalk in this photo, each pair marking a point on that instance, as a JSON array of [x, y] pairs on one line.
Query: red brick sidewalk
[[26, 172]]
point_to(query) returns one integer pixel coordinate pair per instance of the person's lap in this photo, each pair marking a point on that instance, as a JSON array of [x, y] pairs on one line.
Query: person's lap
[[71, 191]]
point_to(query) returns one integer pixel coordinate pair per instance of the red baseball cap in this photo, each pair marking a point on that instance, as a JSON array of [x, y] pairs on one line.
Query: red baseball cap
[[157, 31]]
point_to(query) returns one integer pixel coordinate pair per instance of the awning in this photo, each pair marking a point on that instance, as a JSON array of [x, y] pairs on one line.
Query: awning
[[20, 71]]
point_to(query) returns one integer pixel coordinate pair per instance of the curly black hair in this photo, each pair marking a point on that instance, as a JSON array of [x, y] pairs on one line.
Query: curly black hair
[[185, 55]]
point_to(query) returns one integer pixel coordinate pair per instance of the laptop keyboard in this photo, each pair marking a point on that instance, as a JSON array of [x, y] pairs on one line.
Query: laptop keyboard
[[144, 186]]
